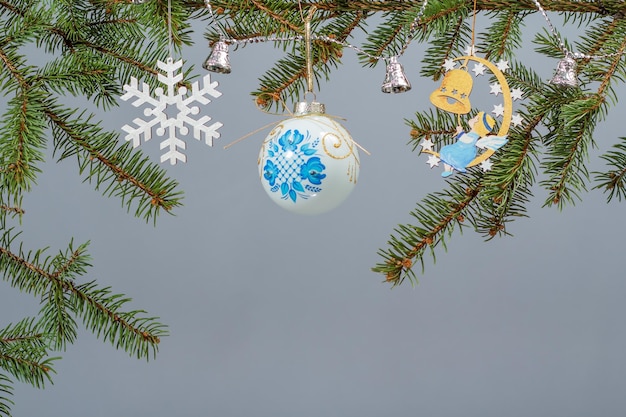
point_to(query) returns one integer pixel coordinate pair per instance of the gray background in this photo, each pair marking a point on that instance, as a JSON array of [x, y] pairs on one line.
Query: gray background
[[276, 314]]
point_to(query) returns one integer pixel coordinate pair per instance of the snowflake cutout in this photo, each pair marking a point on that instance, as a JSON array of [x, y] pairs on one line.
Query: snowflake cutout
[[161, 101]]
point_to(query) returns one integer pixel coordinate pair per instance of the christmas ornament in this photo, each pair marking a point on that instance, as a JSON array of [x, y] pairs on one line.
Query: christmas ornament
[[309, 164], [173, 96], [454, 96], [218, 61], [565, 75], [395, 79]]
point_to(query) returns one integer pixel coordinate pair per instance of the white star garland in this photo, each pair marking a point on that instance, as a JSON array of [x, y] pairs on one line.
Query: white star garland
[[495, 89], [427, 145], [449, 64], [479, 69], [517, 120], [498, 110], [172, 97], [503, 65], [486, 165], [433, 161]]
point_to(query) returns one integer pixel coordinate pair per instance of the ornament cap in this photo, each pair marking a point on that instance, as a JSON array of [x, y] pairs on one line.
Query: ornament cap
[[303, 107]]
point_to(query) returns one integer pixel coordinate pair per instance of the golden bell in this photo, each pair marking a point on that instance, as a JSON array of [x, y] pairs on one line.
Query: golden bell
[[453, 95]]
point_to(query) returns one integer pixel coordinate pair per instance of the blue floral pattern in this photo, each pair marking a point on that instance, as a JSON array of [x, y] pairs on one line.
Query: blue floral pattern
[[291, 166]]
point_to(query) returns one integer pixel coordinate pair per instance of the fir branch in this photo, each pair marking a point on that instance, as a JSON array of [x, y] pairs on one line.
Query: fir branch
[[567, 155], [503, 36], [21, 141], [99, 308], [286, 23], [11, 209], [606, 7], [24, 354], [6, 391], [437, 216], [446, 41], [155, 191], [614, 180]]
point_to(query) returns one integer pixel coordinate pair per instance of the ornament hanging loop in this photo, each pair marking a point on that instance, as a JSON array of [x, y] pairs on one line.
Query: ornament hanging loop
[[308, 52]]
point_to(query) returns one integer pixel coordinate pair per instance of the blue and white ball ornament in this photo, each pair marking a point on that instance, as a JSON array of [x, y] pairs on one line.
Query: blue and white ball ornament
[[309, 163]]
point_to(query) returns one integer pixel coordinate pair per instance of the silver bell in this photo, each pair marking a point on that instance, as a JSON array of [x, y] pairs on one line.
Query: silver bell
[[565, 75], [395, 80], [218, 60]]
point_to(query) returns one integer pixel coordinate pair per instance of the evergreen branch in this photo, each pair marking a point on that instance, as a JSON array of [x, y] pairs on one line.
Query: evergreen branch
[[22, 138], [23, 353], [384, 36], [437, 216], [567, 155], [503, 36], [25, 369], [15, 73], [98, 307], [614, 181], [443, 46], [260, 6], [13, 9], [6, 391], [11, 209], [606, 7], [155, 192]]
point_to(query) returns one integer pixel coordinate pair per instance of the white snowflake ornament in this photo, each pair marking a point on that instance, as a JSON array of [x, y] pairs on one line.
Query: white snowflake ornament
[[160, 103]]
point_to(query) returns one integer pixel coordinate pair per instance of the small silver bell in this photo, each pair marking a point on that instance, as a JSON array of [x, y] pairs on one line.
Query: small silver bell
[[395, 80], [218, 60], [565, 75]]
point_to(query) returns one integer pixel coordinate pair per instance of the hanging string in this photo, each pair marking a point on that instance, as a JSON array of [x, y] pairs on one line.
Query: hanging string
[[169, 27], [309, 54], [473, 27]]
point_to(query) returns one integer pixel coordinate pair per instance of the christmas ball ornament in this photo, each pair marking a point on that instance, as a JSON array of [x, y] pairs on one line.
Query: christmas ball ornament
[[309, 163]]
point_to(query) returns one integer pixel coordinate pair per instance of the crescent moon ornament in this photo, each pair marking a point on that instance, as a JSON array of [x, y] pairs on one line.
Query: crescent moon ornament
[[453, 96]]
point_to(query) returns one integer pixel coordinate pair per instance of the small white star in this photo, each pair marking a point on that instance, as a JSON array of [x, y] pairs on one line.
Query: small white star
[[449, 64], [503, 65], [517, 120], [470, 50], [479, 69], [486, 165], [427, 145], [495, 89], [498, 110], [516, 93], [433, 161]]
